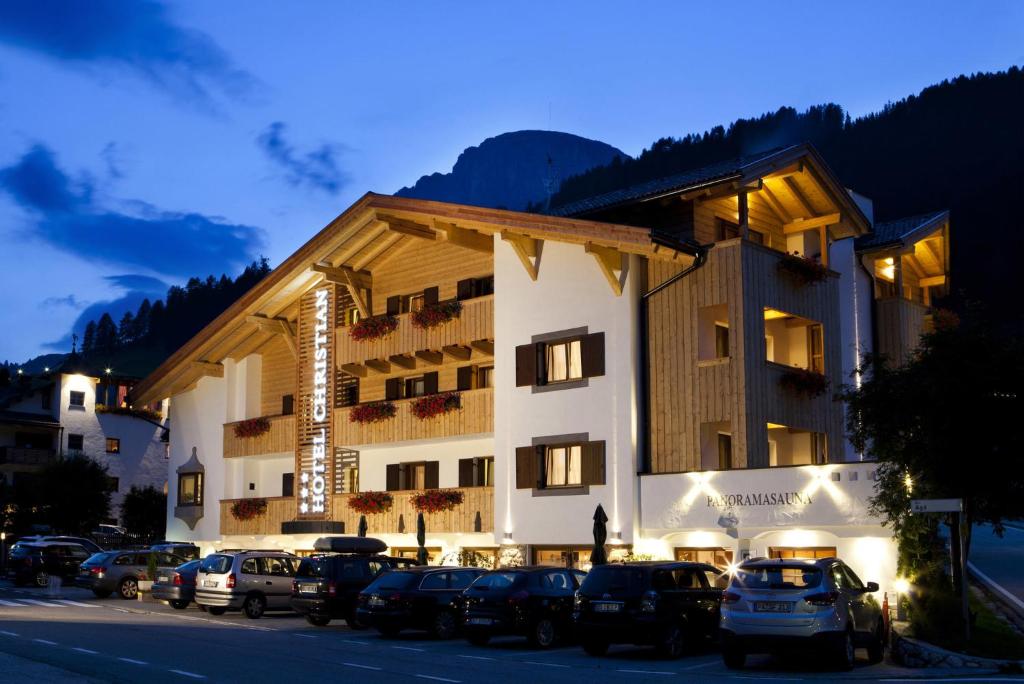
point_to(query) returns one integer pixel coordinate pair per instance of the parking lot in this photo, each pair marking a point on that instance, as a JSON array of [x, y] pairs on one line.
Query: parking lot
[[90, 639]]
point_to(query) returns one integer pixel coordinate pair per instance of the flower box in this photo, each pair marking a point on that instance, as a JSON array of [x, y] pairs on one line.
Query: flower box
[[437, 500], [371, 502], [373, 328], [436, 404], [803, 382], [247, 509], [254, 427], [144, 413], [801, 269], [372, 413], [433, 315]]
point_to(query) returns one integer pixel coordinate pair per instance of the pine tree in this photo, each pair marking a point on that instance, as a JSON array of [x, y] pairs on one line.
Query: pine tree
[[106, 335], [89, 338], [141, 327], [126, 330]]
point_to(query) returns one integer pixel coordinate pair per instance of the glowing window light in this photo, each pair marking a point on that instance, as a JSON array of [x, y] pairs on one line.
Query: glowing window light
[[901, 585]]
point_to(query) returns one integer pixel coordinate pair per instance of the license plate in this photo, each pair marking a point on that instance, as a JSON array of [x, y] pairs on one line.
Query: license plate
[[479, 621], [607, 607], [162, 579], [773, 607], [376, 601], [209, 583], [309, 588]]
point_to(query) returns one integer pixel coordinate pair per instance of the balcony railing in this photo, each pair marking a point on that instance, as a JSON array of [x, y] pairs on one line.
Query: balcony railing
[[24, 456], [475, 417], [475, 322], [474, 514], [280, 439]]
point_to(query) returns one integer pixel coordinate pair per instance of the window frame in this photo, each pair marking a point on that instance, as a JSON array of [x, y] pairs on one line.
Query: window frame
[[569, 343], [728, 465], [76, 394], [113, 445], [566, 465], [80, 440], [200, 483], [721, 340]]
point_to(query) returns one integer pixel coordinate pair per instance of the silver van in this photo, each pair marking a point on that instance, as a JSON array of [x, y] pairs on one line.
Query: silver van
[[251, 581]]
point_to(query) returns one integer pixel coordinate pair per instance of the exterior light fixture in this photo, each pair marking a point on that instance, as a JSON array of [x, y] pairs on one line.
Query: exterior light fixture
[[20, 371], [46, 369], [901, 585], [617, 536], [107, 371], [507, 538]]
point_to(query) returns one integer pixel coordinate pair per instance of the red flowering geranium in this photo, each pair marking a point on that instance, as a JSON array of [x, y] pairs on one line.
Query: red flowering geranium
[[371, 502], [373, 328], [801, 269], [373, 412], [247, 509], [436, 404], [254, 427], [801, 381], [433, 315], [437, 500]]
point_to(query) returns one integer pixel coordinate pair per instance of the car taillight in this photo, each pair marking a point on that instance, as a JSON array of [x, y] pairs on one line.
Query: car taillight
[[649, 602], [230, 584], [177, 581], [396, 597], [515, 598], [825, 599], [730, 597], [96, 571], [332, 589]]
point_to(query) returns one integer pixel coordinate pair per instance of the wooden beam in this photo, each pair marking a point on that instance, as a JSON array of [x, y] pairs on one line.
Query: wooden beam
[[483, 346], [386, 243], [798, 195], [526, 248], [927, 246], [776, 205], [277, 326], [404, 361], [723, 190], [609, 261], [379, 365], [206, 368], [354, 369], [786, 171], [915, 266], [823, 244], [434, 358], [373, 231], [801, 224], [743, 215], [932, 281], [343, 275], [463, 237], [406, 227], [457, 351]]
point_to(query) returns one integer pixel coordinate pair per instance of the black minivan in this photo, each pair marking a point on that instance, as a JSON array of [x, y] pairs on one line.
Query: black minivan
[[667, 605]]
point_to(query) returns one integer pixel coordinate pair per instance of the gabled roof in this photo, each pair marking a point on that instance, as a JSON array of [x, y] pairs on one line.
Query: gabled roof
[[29, 419], [902, 231]]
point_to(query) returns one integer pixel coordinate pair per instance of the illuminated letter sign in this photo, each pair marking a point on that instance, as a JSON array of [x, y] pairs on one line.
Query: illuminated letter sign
[[312, 495]]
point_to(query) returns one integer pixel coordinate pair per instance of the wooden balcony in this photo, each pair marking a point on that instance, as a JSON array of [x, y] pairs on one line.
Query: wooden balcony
[[475, 323], [474, 514], [280, 439], [475, 417], [31, 457]]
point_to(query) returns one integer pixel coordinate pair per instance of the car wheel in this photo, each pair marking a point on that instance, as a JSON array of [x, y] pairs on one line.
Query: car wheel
[[845, 651], [543, 634], [41, 579], [595, 647], [128, 589], [876, 649], [445, 625], [216, 610], [100, 593], [673, 643], [179, 605], [254, 606], [478, 639], [389, 631], [318, 620], [733, 657]]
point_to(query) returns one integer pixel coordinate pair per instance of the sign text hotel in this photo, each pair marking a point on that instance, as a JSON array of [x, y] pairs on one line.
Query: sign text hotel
[[314, 489]]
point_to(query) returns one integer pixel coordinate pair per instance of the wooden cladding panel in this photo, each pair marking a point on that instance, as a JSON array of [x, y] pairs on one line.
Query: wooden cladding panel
[[900, 323], [278, 375], [279, 509], [421, 265], [280, 439], [371, 388], [475, 417], [761, 219]]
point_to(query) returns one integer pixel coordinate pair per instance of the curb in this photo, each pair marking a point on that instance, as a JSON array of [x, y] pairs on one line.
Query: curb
[[920, 654]]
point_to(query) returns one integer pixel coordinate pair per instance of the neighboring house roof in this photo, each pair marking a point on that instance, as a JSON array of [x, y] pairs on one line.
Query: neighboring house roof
[[24, 418], [900, 231]]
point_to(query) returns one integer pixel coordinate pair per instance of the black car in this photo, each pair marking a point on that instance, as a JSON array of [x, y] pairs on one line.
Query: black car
[[660, 604], [88, 544], [535, 602], [327, 584], [35, 562], [185, 550], [423, 598], [177, 586]]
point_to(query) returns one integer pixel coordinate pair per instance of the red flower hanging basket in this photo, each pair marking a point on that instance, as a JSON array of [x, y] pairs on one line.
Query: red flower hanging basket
[[437, 500], [803, 382], [801, 269], [247, 509], [373, 328], [371, 502], [436, 404], [372, 413], [254, 427], [433, 315]]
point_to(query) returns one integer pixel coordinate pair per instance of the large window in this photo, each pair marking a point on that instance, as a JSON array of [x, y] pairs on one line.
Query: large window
[[564, 361], [793, 552], [190, 489], [76, 399], [719, 557], [560, 360], [406, 476], [563, 465]]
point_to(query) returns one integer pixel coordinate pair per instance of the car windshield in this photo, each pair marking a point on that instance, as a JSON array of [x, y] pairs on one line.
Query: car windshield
[[315, 567], [497, 580], [394, 581], [22, 550], [216, 564], [792, 576], [620, 579], [190, 566]]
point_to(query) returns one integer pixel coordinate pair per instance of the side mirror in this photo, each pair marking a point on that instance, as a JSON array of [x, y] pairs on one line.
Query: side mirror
[[871, 587]]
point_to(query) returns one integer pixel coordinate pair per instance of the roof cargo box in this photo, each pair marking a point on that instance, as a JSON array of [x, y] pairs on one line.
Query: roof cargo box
[[365, 545]]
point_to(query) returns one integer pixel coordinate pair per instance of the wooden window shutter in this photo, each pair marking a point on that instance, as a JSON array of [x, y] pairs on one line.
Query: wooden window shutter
[[431, 476], [393, 477], [430, 296], [393, 389], [466, 478], [464, 289], [593, 463], [592, 354], [527, 467], [465, 377], [526, 365], [394, 305], [430, 383]]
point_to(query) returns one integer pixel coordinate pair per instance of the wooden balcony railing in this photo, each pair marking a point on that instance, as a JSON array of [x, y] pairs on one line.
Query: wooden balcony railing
[[474, 514], [475, 322], [22, 456], [280, 439], [475, 417]]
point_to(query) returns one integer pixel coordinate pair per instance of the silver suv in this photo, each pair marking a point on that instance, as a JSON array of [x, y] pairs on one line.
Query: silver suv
[[775, 605], [251, 581]]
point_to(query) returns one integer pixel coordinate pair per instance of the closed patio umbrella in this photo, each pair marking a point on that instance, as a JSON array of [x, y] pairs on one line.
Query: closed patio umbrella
[[421, 540], [362, 526], [597, 554]]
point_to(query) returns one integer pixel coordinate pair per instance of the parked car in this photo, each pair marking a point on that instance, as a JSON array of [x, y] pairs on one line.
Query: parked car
[[327, 584], [535, 602], [120, 571], [34, 562], [177, 586], [423, 597], [653, 603], [88, 544], [818, 605], [186, 550], [251, 581], [112, 530]]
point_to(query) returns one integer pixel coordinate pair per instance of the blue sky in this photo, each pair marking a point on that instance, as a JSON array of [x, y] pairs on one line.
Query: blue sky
[[141, 143]]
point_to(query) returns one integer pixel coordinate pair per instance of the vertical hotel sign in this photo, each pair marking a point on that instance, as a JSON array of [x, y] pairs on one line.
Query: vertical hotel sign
[[316, 380]]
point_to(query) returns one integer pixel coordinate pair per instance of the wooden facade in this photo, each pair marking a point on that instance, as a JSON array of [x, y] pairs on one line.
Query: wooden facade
[[279, 440], [475, 417], [900, 324]]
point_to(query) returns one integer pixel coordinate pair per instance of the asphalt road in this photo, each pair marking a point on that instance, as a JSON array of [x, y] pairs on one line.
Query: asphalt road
[[1001, 560], [80, 638]]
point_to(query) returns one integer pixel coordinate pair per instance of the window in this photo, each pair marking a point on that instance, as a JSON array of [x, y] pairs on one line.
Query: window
[[346, 469], [77, 399], [718, 557], [249, 566], [563, 466], [287, 484], [410, 552], [287, 404], [405, 388], [724, 451], [476, 472], [434, 581], [76, 442], [721, 341], [726, 230], [113, 445], [404, 476], [413, 302], [462, 579], [811, 552], [415, 387], [474, 287], [563, 361], [562, 557], [485, 376], [190, 489], [277, 567], [756, 237], [350, 316], [114, 484], [815, 348]]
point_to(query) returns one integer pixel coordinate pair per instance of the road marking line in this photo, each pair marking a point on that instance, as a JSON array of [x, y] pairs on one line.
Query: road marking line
[[697, 667], [409, 648], [440, 679], [957, 679], [42, 603], [14, 634], [657, 672], [133, 661], [306, 636], [85, 650], [475, 657], [362, 667], [534, 662], [193, 675], [77, 603], [45, 641], [354, 641]]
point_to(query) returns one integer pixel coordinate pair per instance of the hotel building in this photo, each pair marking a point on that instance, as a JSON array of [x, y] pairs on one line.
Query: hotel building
[[654, 350]]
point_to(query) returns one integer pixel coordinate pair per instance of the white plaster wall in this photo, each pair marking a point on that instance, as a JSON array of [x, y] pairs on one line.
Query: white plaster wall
[[570, 292], [855, 319], [264, 471], [373, 460], [243, 387]]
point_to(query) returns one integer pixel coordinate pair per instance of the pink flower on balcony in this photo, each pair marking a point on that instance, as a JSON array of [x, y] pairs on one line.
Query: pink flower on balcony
[[437, 500], [374, 412], [247, 509], [373, 328], [436, 404], [371, 502], [433, 315], [254, 427]]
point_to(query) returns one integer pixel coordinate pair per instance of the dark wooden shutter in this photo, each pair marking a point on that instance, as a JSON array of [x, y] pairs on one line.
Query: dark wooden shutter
[[464, 289], [466, 478], [465, 377], [526, 365], [431, 476], [592, 354], [288, 484], [287, 404], [593, 463], [394, 305], [392, 388], [430, 296], [430, 383], [393, 477], [527, 467]]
